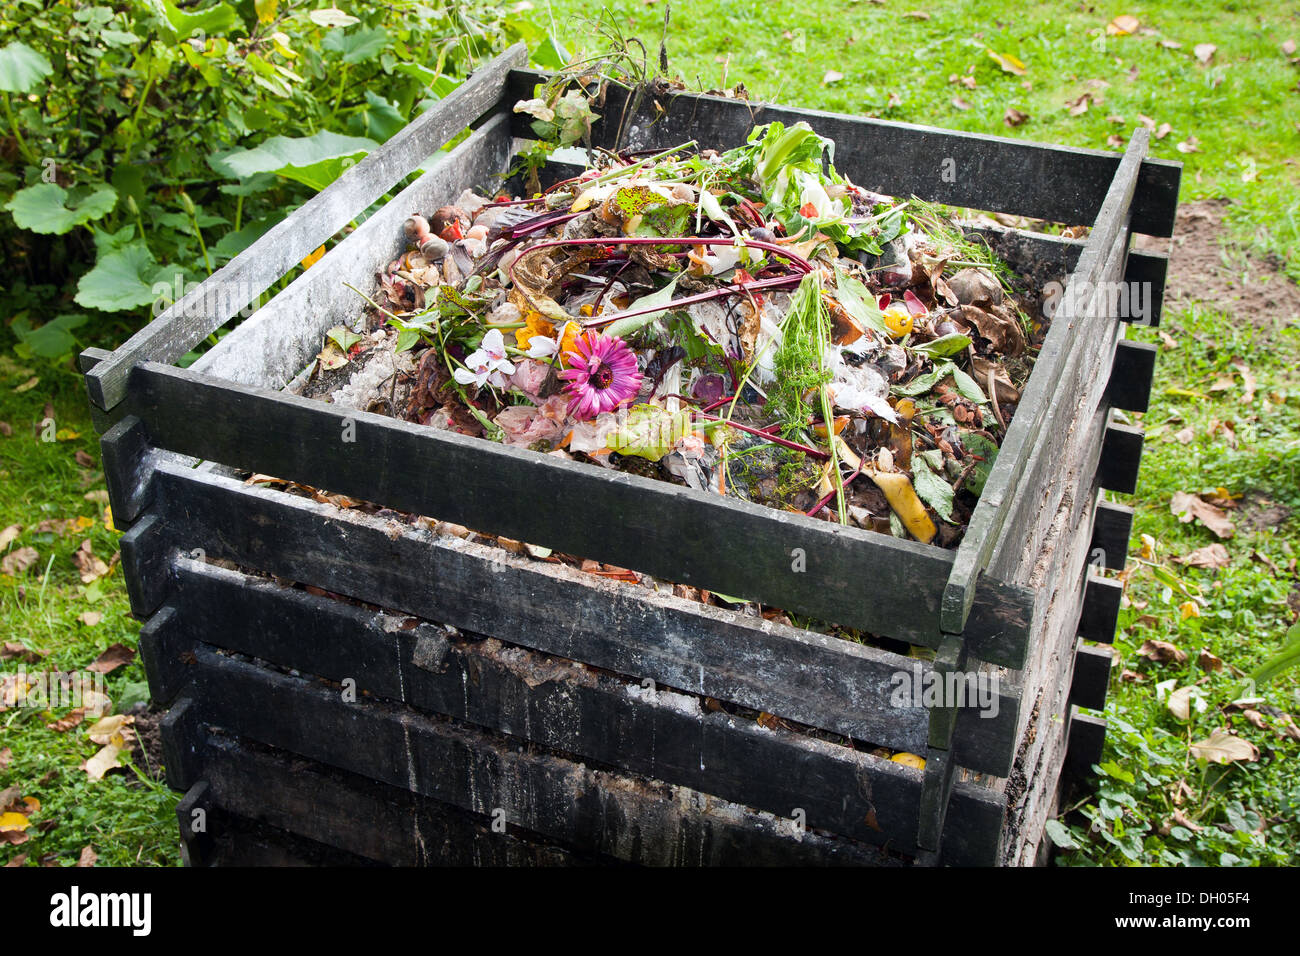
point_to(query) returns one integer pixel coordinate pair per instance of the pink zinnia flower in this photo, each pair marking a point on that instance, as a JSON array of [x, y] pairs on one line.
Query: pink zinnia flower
[[603, 375]]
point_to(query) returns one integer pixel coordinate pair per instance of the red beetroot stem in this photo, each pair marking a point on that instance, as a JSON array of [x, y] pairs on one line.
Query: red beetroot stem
[[775, 440]]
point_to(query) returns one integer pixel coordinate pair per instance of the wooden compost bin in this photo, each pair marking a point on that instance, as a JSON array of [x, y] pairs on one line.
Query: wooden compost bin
[[554, 717]]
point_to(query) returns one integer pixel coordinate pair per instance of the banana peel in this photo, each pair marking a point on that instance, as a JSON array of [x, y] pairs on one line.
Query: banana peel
[[898, 491]]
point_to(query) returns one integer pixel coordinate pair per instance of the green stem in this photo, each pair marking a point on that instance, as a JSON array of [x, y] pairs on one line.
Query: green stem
[[13, 125]]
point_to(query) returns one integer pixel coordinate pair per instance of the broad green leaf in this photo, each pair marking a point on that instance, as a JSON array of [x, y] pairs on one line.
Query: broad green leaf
[[859, 302], [53, 340], [625, 327], [315, 161], [976, 444], [931, 488], [551, 55], [122, 279], [332, 17], [968, 387], [945, 346], [379, 120], [44, 207], [212, 21], [357, 46], [649, 432], [233, 243], [343, 337], [1059, 834], [22, 69]]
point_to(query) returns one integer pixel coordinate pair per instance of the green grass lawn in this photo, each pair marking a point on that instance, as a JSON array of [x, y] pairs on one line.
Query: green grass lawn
[[1238, 118]]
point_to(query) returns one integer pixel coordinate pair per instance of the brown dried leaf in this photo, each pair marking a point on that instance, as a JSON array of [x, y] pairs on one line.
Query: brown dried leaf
[[1014, 117], [84, 459], [18, 561], [1122, 26], [1209, 662], [64, 724], [960, 103], [1162, 652], [88, 855], [1211, 556], [1223, 747], [113, 657], [1188, 507], [1204, 51], [8, 535], [91, 567], [1080, 106], [6, 757], [90, 618]]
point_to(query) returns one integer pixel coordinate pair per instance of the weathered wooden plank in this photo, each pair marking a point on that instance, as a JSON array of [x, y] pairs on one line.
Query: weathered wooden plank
[[650, 731], [804, 676], [216, 300], [1091, 676], [278, 340], [1112, 525], [1131, 375], [992, 173], [780, 558], [1063, 340], [372, 820], [1121, 458], [1101, 603], [594, 811]]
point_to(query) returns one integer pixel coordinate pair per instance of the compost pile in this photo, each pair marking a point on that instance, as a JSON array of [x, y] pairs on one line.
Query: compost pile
[[747, 323]]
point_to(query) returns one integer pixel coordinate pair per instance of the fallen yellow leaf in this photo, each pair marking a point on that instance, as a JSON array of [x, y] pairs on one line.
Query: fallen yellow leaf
[[313, 257], [1189, 609], [13, 821]]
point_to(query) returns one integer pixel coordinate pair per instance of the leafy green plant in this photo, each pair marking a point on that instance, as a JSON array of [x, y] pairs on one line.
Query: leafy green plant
[[156, 141]]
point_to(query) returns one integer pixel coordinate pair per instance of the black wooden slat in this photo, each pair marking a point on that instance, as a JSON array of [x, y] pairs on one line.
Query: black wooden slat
[[372, 820], [1121, 458], [1087, 740], [1129, 387], [124, 453], [993, 173], [1112, 524], [1100, 614], [649, 731], [592, 810], [811, 678], [800, 675], [165, 652], [194, 815], [187, 322], [844, 575], [1091, 676]]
